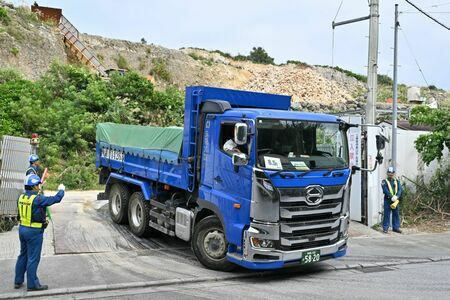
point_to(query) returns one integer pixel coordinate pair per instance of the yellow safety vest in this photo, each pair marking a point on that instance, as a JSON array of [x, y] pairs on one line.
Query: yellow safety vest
[[390, 187], [25, 211]]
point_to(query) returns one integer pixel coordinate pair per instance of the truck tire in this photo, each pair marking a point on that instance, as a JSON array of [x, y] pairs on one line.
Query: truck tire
[[139, 215], [210, 246], [118, 203]]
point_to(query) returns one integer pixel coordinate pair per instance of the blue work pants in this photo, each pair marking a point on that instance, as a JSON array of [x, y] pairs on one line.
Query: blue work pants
[[387, 216], [30, 255]]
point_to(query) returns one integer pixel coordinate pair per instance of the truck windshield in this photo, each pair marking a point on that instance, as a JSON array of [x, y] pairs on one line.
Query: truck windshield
[[300, 145]]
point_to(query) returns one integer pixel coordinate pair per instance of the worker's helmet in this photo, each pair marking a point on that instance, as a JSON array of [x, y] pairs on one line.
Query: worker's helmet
[[391, 170], [33, 158], [32, 180]]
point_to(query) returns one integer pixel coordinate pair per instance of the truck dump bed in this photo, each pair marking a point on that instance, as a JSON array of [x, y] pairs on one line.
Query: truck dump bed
[[143, 151]]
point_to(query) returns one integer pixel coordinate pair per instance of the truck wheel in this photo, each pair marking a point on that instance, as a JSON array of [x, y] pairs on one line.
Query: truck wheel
[[139, 215], [118, 203], [210, 245]]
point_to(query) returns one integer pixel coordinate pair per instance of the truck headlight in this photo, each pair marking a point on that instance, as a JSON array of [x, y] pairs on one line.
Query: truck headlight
[[261, 243], [267, 185]]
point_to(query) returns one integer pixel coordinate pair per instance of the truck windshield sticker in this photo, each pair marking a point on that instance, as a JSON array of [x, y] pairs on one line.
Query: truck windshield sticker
[[273, 163], [112, 154], [300, 165]]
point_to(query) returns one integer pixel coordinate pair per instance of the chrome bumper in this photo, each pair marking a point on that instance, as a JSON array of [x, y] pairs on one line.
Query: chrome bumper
[[271, 231]]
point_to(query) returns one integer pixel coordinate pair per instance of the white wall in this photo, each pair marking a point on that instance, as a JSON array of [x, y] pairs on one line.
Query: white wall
[[409, 163]]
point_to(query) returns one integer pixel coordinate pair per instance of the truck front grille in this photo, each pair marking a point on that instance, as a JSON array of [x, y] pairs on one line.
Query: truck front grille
[[304, 226]]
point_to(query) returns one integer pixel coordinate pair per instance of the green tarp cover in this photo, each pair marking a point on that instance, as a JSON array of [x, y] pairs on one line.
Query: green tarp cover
[[141, 137]]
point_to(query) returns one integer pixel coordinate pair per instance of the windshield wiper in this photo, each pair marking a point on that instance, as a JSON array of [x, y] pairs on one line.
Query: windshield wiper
[[282, 174], [331, 170], [306, 172]]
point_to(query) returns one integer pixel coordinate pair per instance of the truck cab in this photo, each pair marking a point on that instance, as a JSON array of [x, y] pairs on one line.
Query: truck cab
[[284, 188]]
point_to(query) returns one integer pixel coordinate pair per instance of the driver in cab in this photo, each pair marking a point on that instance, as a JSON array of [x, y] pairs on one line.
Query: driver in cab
[[231, 146]]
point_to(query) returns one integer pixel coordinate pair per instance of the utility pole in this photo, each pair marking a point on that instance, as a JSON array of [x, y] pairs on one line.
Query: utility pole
[[372, 70], [372, 81], [395, 94]]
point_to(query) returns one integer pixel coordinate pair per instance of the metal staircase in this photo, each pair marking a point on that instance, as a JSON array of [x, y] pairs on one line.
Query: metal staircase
[[72, 41]]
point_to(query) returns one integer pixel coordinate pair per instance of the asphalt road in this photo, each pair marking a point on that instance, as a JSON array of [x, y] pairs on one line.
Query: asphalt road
[[413, 281], [87, 256]]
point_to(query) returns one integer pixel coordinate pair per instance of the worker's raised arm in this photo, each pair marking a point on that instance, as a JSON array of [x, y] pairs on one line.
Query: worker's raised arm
[[50, 200]]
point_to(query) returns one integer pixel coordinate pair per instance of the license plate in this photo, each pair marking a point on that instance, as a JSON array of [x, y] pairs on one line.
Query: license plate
[[310, 257]]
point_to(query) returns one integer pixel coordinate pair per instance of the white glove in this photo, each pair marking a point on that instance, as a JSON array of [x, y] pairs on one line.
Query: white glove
[[61, 187], [394, 198]]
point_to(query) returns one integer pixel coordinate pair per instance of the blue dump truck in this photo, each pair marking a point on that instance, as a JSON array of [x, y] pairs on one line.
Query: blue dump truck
[[247, 181]]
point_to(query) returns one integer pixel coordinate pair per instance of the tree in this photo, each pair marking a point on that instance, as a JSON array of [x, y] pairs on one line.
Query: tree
[[431, 146], [143, 41], [259, 55]]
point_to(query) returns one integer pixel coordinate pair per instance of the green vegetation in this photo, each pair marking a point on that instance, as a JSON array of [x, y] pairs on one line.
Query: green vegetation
[[4, 17], [206, 61], [65, 105], [15, 51], [142, 63], [121, 62], [259, 55], [431, 146], [224, 54], [427, 200], [298, 63], [160, 69], [27, 15], [100, 57], [143, 41]]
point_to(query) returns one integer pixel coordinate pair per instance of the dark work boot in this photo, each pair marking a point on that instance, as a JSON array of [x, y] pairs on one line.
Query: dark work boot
[[397, 230], [18, 285], [38, 288]]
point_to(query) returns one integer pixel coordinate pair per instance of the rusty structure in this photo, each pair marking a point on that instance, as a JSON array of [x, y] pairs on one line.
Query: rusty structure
[[71, 37]]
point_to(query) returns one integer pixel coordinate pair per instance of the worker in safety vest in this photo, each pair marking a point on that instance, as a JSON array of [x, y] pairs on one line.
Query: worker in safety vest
[[35, 166], [392, 190], [33, 221]]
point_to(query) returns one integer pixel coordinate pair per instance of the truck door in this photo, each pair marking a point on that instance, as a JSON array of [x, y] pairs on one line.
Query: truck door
[[231, 185]]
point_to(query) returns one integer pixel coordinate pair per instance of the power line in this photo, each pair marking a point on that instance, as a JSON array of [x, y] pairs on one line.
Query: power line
[[412, 54], [426, 14]]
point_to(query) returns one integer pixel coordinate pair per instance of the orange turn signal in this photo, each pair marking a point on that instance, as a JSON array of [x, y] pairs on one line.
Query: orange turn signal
[[236, 205]]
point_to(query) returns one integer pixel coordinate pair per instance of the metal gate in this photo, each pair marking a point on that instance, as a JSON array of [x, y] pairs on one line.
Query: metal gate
[[14, 154]]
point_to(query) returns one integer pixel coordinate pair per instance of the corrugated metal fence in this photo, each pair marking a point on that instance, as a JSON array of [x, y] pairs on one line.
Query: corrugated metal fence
[[13, 164]]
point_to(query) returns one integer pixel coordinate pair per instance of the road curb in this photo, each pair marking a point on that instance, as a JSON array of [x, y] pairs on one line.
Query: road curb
[[168, 282]]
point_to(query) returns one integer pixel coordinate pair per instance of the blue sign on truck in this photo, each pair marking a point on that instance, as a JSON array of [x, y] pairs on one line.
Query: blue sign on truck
[[247, 181]]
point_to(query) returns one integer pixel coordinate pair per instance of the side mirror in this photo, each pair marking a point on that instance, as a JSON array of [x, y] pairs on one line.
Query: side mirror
[[381, 142], [240, 133], [240, 159]]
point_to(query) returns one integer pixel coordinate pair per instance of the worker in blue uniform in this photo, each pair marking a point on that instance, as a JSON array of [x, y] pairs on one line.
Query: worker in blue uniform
[[392, 190], [35, 166], [33, 221]]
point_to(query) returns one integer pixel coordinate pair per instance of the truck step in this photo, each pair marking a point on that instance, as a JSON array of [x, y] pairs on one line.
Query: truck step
[[162, 229]]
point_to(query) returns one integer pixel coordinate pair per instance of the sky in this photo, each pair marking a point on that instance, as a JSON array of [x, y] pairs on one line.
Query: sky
[[287, 29]]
